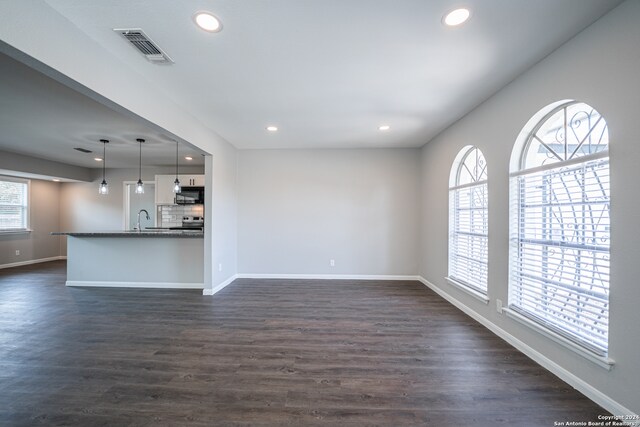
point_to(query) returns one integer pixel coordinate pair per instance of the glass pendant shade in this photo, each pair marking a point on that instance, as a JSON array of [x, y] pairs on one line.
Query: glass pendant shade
[[103, 189], [139, 187]]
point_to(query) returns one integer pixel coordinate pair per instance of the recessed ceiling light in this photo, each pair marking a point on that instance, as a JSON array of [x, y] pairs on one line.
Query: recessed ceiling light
[[384, 127], [97, 159], [272, 128], [55, 180], [456, 17], [207, 22], [188, 158]]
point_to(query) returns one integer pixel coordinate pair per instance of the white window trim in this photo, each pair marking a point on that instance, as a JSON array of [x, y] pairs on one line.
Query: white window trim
[[518, 168], [468, 289], [28, 228], [20, 231], [602, 361], [454, 188]]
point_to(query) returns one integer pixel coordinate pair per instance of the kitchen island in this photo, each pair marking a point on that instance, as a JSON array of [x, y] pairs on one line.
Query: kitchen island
[[136, 259]]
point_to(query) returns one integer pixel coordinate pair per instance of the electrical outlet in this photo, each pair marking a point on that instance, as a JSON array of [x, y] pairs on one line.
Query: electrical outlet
[[332, 262], [499, 306], [17, 252], [219, 267]]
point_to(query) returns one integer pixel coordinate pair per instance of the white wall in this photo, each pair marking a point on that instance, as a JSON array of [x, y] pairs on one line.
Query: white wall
[[600, 67], [44, 219], [300, 208], [221, 210]]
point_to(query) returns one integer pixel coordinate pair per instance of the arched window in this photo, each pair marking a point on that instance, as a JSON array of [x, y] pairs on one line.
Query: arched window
[[559, 229], [468, 221]]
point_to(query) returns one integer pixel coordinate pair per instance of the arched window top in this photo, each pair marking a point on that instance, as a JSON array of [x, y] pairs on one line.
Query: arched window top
[[469, 167], [569, 131], [559, 258], [469, 222]]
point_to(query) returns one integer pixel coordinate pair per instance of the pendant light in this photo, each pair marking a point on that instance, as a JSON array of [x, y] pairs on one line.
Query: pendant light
[[176, 183], [140, 184], [104, 187]]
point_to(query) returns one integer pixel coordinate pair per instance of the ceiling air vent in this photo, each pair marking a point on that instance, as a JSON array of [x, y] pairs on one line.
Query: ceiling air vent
[[144, 45], [83, 150]]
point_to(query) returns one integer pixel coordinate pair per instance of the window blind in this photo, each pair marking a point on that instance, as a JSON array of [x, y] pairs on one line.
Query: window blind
[[468, 235], [560, 250]]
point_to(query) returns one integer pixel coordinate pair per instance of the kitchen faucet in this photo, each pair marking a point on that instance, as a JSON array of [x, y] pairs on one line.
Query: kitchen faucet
[[139, 212]]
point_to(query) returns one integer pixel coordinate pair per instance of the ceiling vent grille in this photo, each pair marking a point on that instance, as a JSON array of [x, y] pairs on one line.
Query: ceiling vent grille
[[144, 45]]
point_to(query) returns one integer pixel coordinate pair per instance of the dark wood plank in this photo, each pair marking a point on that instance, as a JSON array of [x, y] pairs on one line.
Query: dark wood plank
[[261, 352]]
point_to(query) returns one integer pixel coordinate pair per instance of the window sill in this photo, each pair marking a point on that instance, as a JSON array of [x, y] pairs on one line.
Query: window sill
[[3, 232], [476, 294], [602, 361]]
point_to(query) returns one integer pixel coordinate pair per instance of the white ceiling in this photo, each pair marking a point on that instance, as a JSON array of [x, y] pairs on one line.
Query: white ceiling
[[327, 73]]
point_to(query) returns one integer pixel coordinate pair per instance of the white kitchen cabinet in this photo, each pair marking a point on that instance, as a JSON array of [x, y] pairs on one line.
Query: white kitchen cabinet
[[164, 190], [192, 180]]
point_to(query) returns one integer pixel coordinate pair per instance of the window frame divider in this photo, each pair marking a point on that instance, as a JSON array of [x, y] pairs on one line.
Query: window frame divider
[[575, 161]]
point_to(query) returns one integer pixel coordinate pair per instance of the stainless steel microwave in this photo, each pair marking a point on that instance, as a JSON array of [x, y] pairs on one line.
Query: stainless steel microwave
[[190, 196]]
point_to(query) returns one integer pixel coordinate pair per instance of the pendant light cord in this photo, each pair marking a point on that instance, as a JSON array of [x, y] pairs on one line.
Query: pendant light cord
[[176, 159], [104, 159], [140, 161]]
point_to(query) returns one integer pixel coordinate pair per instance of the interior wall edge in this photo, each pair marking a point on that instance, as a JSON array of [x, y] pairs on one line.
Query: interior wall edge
[[212, 291]]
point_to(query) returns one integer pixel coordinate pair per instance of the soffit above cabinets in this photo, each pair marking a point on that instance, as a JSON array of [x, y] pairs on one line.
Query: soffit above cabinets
[[42, 118]]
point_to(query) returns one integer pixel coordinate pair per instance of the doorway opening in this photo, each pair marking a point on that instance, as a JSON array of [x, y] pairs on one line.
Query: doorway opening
[[135, 203]]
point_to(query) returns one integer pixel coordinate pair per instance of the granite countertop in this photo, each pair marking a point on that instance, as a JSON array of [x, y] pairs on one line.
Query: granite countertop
[[136, 233]]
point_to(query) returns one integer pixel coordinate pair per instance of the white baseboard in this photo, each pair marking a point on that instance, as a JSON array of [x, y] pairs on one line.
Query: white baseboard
[[327, 276], [220, 287], [305, 276], [32, 261], [579, 384], [156, 285]]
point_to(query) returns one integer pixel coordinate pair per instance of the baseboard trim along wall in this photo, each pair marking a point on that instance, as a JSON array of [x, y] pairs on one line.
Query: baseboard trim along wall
[[327, 276], [305, 276], [220, 287], [157, 285], [583, 387], [32, 261]]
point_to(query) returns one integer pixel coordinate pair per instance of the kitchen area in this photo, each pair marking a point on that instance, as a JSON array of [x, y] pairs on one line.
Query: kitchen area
[[121, 200], [167, 252], [183, 210]]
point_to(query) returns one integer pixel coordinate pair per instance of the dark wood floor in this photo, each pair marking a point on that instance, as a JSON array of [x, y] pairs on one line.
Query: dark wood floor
[[261, 352]]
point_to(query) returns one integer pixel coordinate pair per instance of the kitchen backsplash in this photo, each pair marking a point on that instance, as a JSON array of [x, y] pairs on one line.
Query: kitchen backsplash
[[171, 216]]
